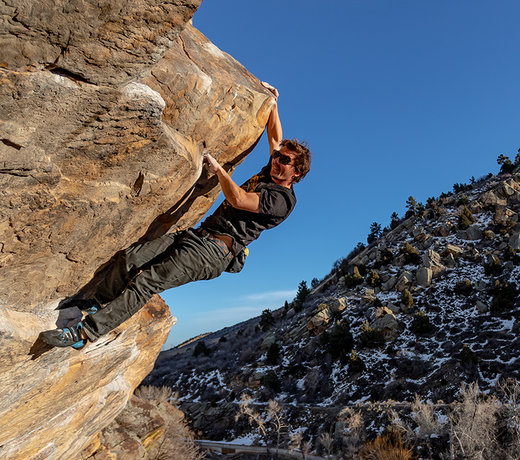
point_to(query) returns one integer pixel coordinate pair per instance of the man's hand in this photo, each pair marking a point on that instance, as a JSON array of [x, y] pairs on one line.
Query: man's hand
[[271, 88], [212, 164]]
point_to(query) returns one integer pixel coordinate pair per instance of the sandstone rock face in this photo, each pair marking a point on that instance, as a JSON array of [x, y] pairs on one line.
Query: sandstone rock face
[[106, 109]]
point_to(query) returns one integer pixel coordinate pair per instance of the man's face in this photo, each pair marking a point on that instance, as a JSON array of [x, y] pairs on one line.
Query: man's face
[[281, 173]]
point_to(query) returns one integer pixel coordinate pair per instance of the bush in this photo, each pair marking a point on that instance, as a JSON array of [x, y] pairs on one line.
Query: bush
[[271, 381], [339, 342], [386, 447], [374, 279], [201, 348], [371, 338], [353, 279], [504, 296], [355, 363], [467, 356], [411, 255], [273, 354], [266, 320], [407, 299], [421, 323], [465, 218], [463, 287]]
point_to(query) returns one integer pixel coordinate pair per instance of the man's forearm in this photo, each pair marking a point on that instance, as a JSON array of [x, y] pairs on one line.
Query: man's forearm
[[237, 197], [274, 128]]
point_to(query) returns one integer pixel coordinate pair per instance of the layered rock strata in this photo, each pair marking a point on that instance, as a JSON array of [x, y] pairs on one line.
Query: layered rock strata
[[106, 109]]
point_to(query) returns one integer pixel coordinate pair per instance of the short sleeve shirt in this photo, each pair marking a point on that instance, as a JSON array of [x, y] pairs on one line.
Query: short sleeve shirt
[[276, 203]]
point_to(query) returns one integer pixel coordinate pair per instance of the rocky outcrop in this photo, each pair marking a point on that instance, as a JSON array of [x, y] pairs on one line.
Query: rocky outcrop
[[106, 110]]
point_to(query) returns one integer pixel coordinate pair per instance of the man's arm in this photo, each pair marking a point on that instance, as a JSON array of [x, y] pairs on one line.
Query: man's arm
[[237, 197], [274, 125]]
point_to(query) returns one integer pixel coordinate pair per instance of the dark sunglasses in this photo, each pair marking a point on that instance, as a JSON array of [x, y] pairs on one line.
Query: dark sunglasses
[[282, 158]]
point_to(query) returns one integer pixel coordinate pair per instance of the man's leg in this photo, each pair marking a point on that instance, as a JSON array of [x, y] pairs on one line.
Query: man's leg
[[127, 263], [192, 258]]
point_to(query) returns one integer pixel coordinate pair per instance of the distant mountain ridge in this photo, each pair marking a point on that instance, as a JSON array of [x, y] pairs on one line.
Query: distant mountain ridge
[[426, 307]]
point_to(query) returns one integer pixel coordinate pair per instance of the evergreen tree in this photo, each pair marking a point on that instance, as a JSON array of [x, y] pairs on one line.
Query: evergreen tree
[[301, 295], [266, 320], [506, 165], [395, 220], [375, 232]]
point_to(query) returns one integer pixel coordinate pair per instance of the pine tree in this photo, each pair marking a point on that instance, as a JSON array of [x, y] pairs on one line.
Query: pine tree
[[375, 232], [301, 295]]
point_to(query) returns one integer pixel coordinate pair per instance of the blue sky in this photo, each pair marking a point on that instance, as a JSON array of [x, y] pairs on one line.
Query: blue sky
[[395, 98]]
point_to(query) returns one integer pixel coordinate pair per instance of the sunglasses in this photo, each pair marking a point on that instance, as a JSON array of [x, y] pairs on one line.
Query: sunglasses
[[282, 158]]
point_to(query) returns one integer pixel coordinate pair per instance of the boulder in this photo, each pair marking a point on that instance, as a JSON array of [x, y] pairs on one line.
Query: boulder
[[424, 276], [456, 251], [481, 306], [405, 280], [389, 284], [490, 198], [337, 305], [318, 323], [514, 241], [432, 260], [387, 323], [107, 109], [474, 232]]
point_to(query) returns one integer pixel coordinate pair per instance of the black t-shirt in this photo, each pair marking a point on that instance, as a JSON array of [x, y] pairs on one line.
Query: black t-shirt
[[276, 203]]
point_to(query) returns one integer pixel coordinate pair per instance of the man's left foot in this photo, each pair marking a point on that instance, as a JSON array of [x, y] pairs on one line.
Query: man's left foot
[[66, 337]]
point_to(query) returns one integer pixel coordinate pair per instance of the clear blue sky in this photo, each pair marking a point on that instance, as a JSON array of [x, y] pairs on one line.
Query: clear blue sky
[[396, 98]]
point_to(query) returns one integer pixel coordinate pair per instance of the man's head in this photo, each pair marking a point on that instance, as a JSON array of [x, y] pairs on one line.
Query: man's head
[[291, 162]]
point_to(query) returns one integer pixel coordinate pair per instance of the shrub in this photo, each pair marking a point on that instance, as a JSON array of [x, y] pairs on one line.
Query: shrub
[[407, 299], [154, 393], [273, 354], [371, 338], [467, 356], [421, 323], [411, 255], [374, 279], [271, 381], [353, 279], [465, 218], [314, 282], [463, 287], [201, 348], [266, 320], [339, 341], [386, 447], [504, 296], [510, 254], [355, 363]]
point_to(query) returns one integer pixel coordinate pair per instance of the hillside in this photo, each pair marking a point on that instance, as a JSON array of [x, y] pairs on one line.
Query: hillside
[[428, 306]]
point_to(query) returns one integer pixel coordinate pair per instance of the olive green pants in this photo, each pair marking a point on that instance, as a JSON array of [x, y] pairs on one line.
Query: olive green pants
[[137, 273]]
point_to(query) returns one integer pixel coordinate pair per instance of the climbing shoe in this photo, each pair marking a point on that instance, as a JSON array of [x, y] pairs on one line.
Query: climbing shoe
[[66, 337]]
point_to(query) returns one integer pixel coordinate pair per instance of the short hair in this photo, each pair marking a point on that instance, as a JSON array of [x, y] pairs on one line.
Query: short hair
[[302, 161]]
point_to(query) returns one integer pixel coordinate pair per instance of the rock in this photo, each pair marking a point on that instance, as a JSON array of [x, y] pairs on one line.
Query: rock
[[449, 261], [387, 323], [424, 276], [269, 339], [474, 232], [432, 260], [514, 241], [337, 305], [393, 308], [456, 251], [405, 280], [390, 284], [491, 199], [120, 100], [318, 323], [481, 306], [80, 391]]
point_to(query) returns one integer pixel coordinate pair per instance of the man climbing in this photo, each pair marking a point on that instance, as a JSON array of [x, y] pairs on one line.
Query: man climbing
[[174, 259]]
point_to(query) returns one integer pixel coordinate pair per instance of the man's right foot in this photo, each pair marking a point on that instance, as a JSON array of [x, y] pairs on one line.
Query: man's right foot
[[65, 337]]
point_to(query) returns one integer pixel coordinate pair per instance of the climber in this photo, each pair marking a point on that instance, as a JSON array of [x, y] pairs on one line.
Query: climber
[[144, 269]]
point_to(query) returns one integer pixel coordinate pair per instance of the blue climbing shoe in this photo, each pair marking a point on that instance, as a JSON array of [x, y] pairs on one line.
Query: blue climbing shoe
[[66, 337]]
